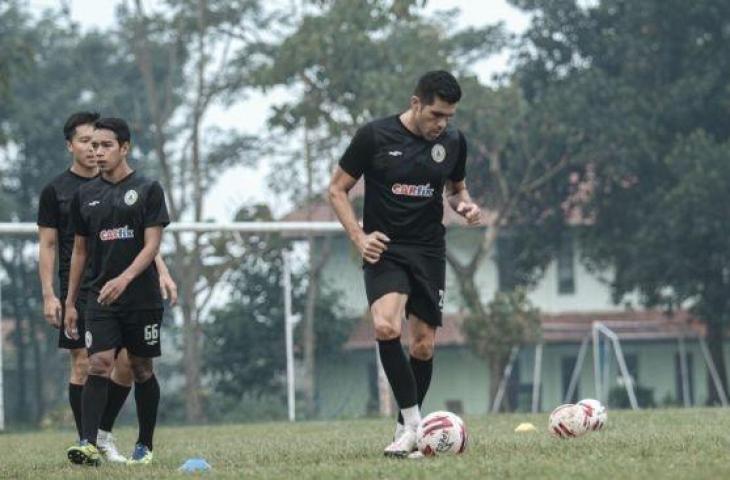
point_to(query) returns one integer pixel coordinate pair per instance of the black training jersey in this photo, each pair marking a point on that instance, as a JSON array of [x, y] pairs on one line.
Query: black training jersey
[[54, 212], [404, 179], [113, 217]]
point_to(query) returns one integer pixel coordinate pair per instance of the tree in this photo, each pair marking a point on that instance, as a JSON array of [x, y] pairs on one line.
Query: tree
[[352, 62], [245, 356], [509, 317], [647, 82], [59, 77], [190, 56]]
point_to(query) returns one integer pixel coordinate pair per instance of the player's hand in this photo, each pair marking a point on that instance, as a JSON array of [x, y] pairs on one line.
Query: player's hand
[[70, 320], [52, 310], [470, 211], [372, 245], [168, 288], [112, 290]]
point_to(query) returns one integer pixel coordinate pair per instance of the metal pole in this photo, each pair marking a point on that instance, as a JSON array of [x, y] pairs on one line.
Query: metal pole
[[597, 381], [606, 366], [625, 373], [536, 377], [684, 372], [713, 371], [505, 378], [2, 340], [289, 322], [576, 370], [598, 327]]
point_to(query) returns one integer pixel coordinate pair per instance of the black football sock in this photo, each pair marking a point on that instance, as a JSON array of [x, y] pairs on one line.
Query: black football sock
[[92, 404], [114, 403], [422, 370], [399, 373], [74, 398], [147, 398]]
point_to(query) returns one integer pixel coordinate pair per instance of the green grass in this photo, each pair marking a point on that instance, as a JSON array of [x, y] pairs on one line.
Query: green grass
[[644, 445]]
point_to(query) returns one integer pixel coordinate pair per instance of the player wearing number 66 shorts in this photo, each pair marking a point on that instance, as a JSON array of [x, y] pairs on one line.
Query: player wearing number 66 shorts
[[118, 219]]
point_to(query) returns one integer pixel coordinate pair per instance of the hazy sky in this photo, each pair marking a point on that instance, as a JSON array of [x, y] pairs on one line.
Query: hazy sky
[[242, 185]]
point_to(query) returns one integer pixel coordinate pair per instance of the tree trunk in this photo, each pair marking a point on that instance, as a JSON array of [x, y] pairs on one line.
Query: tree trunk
[[309, 334], [191, 350], [20, 345], [497, 365], [715, 340]]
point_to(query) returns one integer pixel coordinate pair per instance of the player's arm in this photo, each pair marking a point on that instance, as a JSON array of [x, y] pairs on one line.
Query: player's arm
[[372, 245], [78, 264], [47, 242], [459, 199], [168, 287], [354, 162], [112, 289]]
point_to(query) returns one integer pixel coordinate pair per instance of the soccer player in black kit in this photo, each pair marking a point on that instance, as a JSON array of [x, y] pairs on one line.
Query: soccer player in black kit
[[56, 236], [118, 219], [408, 160]]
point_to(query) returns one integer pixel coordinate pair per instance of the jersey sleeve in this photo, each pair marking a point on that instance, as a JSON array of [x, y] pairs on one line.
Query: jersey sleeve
[[458, 173], [155, 207], [358, 156], [80, 226], [48, 211]]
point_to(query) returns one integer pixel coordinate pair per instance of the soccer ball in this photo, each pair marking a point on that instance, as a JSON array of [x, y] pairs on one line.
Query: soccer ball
[[598, 416], [441, 433], [569, 421]]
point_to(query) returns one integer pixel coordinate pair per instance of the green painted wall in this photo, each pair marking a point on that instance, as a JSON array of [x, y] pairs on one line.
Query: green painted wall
[[459, 376]]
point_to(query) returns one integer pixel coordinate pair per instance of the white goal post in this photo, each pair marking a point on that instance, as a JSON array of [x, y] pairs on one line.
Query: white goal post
[[294, 228]]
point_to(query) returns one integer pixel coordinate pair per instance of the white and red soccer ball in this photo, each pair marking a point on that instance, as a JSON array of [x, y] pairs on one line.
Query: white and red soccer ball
[[570, 421], [597, 413], [441, 433]]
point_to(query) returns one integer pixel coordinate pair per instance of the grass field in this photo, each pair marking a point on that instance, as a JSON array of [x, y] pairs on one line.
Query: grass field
[[655, 444]]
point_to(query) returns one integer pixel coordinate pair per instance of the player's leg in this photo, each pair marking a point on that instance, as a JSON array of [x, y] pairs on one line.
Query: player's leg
[[120, 385], [422, 338], [79, 367], [387, 313], [102, 336], [79, 364], [142, 339], [92, 405], [147, 398], [427, 277]]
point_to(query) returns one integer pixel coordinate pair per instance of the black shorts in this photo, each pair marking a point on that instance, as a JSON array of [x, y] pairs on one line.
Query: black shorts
[[64, 341], [137, 330], [417, 272]]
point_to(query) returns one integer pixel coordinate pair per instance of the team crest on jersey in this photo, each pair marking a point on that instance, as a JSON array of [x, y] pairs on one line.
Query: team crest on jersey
[[130, 198], [438, 153], [88, 339]]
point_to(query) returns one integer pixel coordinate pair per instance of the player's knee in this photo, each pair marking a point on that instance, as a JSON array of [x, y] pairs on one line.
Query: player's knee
[[422, 349], [386, 328], [79, 368], [142, 369], [122, 373], [100, 365]]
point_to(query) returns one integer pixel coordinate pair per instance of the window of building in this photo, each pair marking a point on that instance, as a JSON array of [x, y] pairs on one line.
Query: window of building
[[566, 265]]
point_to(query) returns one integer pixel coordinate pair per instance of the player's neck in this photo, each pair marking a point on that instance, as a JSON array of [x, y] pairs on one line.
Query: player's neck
[[82, 171], [408, 120], [119, 173]]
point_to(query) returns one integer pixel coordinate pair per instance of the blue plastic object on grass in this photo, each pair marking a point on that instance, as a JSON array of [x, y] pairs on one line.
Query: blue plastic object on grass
[[195, 465]]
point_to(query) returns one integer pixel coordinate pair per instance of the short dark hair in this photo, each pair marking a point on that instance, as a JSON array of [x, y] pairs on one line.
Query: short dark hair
[[116, 125], [438, 83], [76, 119]]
